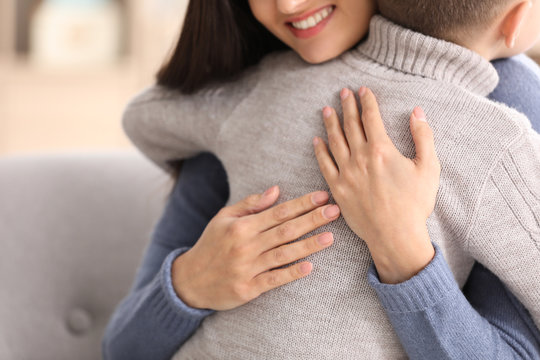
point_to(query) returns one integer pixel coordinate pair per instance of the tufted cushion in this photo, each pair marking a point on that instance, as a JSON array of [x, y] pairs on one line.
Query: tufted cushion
[[72, 232]]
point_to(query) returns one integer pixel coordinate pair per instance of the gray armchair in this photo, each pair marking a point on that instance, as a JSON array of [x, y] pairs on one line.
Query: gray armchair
[[72, 232]]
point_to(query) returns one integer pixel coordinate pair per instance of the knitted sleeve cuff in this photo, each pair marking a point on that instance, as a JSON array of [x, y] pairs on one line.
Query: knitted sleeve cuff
[[170, 295], [422, 291]]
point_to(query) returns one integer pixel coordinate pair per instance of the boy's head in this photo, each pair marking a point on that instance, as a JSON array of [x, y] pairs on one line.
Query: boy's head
[[493, 28]]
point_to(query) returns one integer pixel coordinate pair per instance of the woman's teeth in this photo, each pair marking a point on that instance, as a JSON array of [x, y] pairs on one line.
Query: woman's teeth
[[313, 20]]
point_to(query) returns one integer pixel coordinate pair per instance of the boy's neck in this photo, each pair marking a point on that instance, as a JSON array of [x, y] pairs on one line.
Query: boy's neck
[[485, 45]]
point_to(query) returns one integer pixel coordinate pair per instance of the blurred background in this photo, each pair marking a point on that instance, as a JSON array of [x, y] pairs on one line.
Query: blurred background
[[68, 68]]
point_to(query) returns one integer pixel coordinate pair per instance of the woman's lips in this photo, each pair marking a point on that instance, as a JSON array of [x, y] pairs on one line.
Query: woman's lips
[[312, 31]]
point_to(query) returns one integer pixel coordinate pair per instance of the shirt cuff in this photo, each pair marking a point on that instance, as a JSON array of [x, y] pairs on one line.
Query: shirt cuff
[[170, 294], [420, 292]]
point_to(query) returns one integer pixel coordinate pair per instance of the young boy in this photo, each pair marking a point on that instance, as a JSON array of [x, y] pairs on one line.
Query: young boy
[[490, 165]]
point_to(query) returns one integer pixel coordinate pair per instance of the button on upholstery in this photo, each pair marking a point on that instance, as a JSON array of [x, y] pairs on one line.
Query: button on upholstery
[[78, 321]]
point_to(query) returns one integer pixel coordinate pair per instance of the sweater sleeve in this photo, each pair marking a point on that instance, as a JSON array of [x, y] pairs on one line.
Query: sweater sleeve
[[434, 320], [167, 126], [152, 322], [505, 234]]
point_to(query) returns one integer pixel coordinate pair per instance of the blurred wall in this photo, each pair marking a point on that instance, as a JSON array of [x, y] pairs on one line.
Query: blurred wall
[[54, 108]]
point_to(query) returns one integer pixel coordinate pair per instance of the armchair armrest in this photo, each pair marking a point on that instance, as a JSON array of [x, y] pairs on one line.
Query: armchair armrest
[[73, 228]]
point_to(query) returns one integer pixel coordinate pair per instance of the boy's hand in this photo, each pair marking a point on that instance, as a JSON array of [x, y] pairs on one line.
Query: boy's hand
[[384, 197]]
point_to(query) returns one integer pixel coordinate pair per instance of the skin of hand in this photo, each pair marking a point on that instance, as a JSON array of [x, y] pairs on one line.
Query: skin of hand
[[384, 197], [241, 252]]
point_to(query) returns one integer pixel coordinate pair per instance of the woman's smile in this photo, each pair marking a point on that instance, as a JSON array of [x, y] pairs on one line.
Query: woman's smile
[[310, 24], [317, 30]]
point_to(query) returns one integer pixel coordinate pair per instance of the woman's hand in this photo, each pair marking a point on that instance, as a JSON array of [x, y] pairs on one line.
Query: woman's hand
[[235, 259], [385, 197]]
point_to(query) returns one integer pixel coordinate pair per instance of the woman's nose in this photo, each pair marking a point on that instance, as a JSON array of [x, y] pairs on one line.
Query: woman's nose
[[290, 6]]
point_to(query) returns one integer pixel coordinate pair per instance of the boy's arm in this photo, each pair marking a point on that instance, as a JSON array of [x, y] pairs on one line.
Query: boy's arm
[[519, 88], [505, 234], [434, 320], [152, 322], [167, 125]]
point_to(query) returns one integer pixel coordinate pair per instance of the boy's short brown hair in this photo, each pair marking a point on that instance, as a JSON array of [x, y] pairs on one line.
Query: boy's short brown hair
[[446, 19]]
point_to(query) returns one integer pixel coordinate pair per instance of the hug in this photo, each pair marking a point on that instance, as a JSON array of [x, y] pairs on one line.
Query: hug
[[354, 179]]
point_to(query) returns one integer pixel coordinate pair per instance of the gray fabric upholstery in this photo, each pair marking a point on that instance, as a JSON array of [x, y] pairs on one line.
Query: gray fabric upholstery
[[72, 231]]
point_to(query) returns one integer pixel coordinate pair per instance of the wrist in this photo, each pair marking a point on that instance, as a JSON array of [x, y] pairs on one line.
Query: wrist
[[182, 280], [400, 256]]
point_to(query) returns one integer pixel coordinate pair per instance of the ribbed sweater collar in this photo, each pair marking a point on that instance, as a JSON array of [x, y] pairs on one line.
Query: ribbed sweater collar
[[410, 52]]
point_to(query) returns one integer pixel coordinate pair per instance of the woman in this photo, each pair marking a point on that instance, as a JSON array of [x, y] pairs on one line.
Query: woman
[[184, 75]]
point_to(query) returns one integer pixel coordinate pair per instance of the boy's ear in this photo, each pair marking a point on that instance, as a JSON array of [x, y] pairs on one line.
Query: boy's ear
[[513, 20]]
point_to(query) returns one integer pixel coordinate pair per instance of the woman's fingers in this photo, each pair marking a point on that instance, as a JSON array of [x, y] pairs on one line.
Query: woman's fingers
[[275, 278], [423, 139], [252, 204], [289, 253], [336, 139], [298, 227], [288, 210], [326, 164], [352, 125], [371, 117]]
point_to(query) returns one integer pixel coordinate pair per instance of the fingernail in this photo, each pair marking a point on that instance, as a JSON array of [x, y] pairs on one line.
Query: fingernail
[[319, 198], [316, 141], [419, 114], [305, 268], [325, 239], [344, 94], [362, 91], [331, 211], [327, 112], [269, 191]]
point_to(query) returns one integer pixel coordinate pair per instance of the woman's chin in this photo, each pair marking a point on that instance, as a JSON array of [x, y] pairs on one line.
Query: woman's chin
[[318, 57]]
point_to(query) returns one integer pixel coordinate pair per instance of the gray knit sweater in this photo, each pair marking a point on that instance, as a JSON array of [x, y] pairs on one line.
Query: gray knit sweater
[[261, 128]]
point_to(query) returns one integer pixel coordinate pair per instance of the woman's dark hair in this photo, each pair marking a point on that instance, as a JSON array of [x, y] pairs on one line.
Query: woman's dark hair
[[219, 39]]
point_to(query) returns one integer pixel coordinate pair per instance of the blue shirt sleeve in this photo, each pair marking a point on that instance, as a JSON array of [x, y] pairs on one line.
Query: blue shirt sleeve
[[434, 320], [519, 87], [152, 322]]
